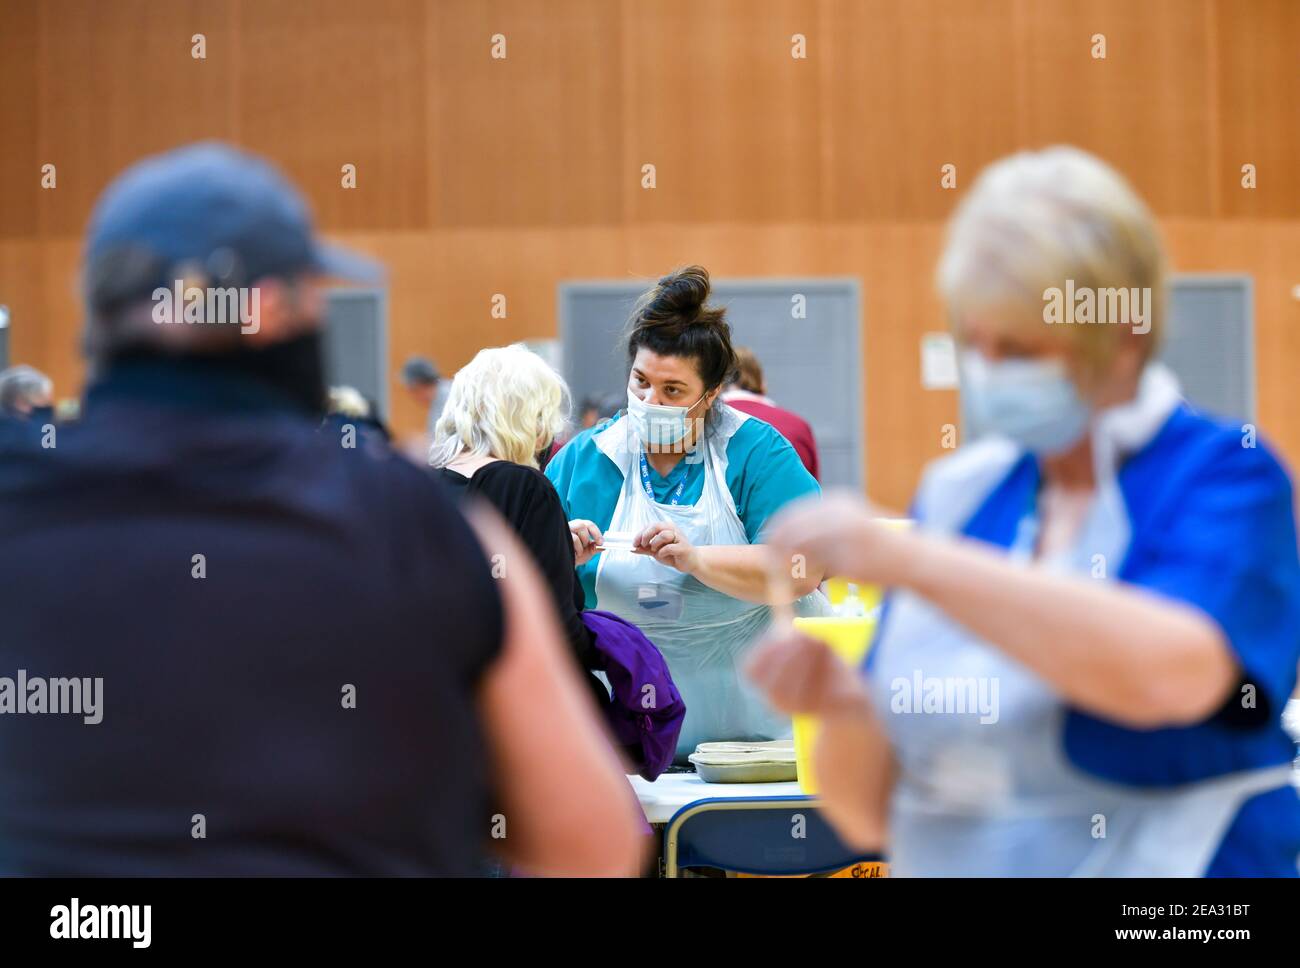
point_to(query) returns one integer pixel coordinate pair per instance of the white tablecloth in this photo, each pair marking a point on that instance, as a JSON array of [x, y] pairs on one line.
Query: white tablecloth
[[672, 791]]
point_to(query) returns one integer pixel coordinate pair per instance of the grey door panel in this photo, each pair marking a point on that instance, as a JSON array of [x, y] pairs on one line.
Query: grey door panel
[[356, 342], [1209, 342]]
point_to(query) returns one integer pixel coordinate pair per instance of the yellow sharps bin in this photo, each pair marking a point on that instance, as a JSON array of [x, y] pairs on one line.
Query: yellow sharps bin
[[849, 636]]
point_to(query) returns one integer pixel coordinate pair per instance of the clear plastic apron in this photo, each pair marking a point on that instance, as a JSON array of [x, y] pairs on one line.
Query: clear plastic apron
[[995, 795], [702, 633]]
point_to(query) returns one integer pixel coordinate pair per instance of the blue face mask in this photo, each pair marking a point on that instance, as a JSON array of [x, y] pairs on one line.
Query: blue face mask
[[1033, 402]]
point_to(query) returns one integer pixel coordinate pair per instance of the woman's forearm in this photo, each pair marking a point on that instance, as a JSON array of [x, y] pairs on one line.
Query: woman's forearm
[[1113, 650], [743, 571]]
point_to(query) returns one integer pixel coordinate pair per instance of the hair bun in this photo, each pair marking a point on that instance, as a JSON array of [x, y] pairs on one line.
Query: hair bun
[[683, 292], [675, 319]]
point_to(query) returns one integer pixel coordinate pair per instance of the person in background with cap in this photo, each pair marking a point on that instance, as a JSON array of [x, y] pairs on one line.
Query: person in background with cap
[[27, 394], [421, 379], [307, 666], [425, 384]]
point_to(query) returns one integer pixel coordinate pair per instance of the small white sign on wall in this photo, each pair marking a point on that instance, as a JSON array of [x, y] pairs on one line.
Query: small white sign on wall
[[938, 362]]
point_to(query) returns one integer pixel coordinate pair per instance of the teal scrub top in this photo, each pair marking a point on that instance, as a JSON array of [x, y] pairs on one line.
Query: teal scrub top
[[764, 473]]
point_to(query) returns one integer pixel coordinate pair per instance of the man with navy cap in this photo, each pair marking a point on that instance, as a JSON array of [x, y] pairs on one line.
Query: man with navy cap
[[184, 238], [234, 645]]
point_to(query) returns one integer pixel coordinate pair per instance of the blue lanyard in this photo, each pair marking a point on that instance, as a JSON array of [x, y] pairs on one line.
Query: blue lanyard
[[675, 498]]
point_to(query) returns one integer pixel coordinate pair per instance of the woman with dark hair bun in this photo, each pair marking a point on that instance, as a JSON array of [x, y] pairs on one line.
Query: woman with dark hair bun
[[668, 502]]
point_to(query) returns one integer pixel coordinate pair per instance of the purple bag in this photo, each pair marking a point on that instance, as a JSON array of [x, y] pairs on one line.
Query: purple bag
[[645, 723]]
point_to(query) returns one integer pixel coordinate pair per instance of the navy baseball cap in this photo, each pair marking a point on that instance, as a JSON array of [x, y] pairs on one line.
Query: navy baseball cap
[[208, 206]]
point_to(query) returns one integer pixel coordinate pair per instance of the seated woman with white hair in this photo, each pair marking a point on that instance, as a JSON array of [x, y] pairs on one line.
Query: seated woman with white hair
[[505, 408], [1092, 633]]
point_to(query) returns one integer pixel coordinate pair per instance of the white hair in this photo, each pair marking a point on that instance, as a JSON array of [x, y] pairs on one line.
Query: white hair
[[348, 402], [1036, 219], [505, 403], [22, 386]]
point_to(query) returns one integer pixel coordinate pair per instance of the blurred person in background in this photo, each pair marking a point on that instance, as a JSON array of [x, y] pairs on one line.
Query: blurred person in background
[[588, 413], [1114, 572], [747, 393], [347, 406], [26, 393], [303, 651], [598, 408], [689, 484], [423, 381], [594, 410]]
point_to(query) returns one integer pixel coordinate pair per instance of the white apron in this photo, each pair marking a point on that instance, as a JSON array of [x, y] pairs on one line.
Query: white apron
[[702, 633], [1001, 798]]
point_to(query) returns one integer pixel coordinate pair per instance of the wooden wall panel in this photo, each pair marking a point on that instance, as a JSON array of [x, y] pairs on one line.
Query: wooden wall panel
[[22, 289], [1258, 53], [525, 266], [713, 99], [61, 314], [909, 88], [534, 138], [117, 82], [441, 287], [906, 424], [479, 176], [20, 163], [328, 83], [1145, 108]]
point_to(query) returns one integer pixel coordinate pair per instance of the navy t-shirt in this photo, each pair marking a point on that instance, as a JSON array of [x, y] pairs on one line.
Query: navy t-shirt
[[298, 700]]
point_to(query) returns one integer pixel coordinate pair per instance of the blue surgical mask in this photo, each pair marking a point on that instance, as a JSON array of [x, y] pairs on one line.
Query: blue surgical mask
[[658, 425], [1033, 402]]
